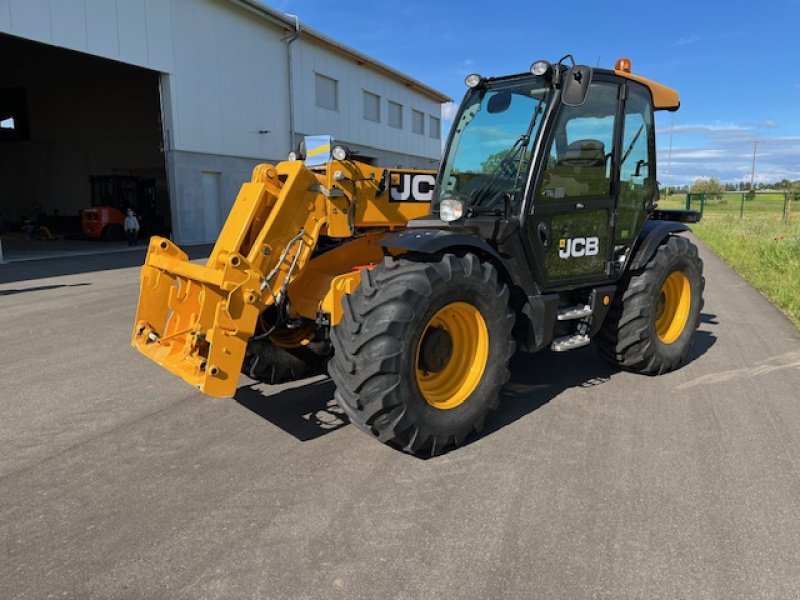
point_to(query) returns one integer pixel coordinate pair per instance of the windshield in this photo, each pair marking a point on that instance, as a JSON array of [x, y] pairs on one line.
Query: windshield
[[490, 151]]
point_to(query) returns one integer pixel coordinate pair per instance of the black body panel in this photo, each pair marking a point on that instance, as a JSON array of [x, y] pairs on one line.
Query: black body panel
[[683, 216], [650, 238], [435, 241]]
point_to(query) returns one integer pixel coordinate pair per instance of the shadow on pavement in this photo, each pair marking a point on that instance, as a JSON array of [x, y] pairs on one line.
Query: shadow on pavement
[[40, 288], [709, 319], [703, 340], [538, 378], [305, 412], [309, 411], [87, 263]]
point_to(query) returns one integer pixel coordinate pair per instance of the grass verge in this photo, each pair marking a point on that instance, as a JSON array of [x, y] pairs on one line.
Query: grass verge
[[751, 237], [763, 250]]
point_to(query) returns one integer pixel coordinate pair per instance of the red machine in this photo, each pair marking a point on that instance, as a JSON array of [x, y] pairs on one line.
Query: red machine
[[112, 195]]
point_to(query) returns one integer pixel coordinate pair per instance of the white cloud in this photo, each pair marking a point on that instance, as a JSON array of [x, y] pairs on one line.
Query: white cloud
[[696, 154], [725, 150], [449, 111], [715, 126], [684, 41], [464, 67]]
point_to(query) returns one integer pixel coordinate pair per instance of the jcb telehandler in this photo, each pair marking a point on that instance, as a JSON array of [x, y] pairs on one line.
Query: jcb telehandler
[[540, 230]]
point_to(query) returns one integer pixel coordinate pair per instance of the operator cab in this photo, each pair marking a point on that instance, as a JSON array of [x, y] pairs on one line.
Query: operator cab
[[564, 157]]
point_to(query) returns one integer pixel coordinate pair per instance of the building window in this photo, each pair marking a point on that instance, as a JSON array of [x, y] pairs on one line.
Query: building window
[[395, 115], [372, 107], [435, 128], [418, 122], [327, 92]]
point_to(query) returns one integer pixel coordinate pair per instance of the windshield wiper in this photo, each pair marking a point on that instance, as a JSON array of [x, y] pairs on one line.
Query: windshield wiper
[[508, 158]]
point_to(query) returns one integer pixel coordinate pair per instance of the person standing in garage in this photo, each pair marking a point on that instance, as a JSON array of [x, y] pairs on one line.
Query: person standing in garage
[[131, 227]]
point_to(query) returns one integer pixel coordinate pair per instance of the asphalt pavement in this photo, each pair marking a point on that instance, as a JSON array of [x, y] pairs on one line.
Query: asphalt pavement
[[117, 480]]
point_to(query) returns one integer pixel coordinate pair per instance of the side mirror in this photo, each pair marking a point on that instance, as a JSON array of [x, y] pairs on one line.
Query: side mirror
[[575, 85]]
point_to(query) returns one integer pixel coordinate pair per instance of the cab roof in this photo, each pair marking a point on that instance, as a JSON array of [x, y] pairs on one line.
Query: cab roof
[[664, 98]]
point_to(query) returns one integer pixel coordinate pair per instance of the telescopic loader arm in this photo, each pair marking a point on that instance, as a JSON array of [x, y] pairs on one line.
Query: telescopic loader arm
[[196, 321]]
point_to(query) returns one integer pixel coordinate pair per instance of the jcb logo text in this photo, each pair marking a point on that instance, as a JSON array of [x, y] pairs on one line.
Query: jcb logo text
[[577, 247], [411, 187]]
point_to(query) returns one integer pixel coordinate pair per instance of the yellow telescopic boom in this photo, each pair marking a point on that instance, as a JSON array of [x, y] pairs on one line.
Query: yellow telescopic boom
[[196, 321]]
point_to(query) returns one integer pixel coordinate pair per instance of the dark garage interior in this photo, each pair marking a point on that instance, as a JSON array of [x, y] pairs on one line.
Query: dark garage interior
[[75, 129]]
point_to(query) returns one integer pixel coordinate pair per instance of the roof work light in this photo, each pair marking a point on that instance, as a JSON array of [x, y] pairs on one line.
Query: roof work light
[[623, 64], [540, 67], [473, 80]]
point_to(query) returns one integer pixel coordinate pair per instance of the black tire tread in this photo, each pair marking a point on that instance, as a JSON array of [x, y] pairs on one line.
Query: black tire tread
[[627, 338], [369, 343], [269, 363]]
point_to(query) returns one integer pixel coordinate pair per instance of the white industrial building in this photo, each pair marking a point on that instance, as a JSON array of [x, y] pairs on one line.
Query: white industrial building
[[191, 93]]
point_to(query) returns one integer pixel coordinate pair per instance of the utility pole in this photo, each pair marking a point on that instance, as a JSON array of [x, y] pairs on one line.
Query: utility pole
[[753, 169]]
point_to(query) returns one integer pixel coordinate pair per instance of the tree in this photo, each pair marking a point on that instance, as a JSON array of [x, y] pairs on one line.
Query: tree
[[494, 160], [794, 189], [710, 186]]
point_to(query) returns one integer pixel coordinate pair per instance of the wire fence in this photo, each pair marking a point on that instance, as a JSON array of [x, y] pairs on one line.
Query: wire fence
[[742, 205]]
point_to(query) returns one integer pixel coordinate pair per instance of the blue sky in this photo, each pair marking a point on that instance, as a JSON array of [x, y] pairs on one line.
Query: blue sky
[[735, 64]]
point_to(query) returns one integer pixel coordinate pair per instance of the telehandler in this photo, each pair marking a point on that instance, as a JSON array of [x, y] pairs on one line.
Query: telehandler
[[540, 230]]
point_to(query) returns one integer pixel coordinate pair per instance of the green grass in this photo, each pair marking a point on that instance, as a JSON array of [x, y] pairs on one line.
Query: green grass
[[763, 250], [759, 246]]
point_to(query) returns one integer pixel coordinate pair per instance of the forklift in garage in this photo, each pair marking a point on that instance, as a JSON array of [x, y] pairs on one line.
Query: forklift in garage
[[111, 196]]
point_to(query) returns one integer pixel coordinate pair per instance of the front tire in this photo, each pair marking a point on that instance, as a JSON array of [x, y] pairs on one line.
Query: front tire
[[422, 350], [653, 320]]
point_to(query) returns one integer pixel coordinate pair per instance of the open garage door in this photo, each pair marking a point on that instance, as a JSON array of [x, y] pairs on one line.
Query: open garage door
[[76, 130]]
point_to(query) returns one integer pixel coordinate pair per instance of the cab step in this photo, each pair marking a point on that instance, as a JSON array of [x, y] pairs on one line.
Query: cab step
[[569, 342], [569, 313]]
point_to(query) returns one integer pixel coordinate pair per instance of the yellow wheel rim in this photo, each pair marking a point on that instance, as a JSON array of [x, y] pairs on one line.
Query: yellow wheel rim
[[672, 307], [447, 379]]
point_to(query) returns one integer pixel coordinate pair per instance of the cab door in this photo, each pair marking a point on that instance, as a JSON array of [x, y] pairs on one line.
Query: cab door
[[637, 189], [571, 212]]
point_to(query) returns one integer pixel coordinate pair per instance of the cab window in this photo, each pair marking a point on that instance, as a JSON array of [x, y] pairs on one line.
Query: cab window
[[579, 162], [637, 184]]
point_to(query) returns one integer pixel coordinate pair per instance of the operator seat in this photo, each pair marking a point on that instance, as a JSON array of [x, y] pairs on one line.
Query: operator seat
[[584, 153], [581, 171]]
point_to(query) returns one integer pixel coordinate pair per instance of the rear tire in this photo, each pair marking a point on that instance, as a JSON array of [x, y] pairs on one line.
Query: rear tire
[[422, 350], [269, 363], [655, 315]]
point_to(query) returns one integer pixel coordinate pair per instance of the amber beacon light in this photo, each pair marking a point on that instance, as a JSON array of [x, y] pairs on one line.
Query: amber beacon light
[[623, 64]]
